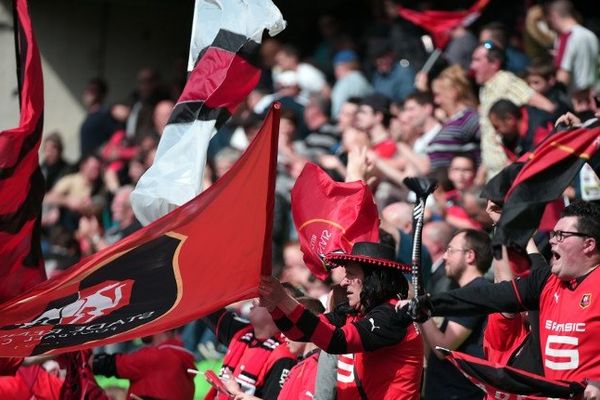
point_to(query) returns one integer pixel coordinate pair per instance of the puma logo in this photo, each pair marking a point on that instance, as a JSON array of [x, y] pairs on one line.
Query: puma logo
[[373, 326]]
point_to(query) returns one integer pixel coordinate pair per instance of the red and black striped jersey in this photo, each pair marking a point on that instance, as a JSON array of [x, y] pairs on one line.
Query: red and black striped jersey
[[387, 353]]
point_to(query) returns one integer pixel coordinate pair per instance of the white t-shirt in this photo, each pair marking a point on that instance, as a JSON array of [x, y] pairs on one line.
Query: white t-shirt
[[580, 58]]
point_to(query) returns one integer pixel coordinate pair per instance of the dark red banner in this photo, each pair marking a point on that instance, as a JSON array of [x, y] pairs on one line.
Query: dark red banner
[[441, 23], [204, 255], [21, 180], [508, 383]]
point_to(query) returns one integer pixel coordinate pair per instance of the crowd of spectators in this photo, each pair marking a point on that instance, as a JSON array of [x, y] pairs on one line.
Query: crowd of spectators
[[367, 111]]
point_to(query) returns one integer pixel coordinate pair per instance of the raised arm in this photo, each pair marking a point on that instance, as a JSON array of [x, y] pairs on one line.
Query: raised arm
[[376, 329]]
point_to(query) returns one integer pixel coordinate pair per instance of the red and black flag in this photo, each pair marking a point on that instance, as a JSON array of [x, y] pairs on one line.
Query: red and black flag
[[441, 23], [542, 179], [508, 383], [21, 180], [204, 255], [223, 65]]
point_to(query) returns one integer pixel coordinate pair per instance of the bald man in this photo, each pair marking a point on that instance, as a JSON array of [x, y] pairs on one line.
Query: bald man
[[436, 236]]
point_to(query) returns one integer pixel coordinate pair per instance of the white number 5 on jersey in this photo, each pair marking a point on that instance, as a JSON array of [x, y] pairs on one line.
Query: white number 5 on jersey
[[569, 358]]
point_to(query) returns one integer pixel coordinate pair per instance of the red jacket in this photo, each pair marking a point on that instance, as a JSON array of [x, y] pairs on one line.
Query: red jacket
[[30, 383]]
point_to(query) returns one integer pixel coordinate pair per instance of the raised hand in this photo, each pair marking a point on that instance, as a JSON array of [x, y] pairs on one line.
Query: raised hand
[[419, 308]]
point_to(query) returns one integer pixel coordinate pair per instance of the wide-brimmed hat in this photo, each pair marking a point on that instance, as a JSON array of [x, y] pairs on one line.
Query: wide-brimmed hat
[[369, 253]]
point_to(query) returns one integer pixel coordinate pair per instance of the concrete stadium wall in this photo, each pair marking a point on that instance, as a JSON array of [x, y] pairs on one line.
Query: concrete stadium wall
[[82, 39]]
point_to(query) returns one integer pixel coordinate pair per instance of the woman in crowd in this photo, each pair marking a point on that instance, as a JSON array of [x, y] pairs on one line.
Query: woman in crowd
[[460, 131]]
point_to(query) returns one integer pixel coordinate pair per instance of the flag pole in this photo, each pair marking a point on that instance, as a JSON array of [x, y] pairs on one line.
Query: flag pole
[[423, 187], [17, 51]]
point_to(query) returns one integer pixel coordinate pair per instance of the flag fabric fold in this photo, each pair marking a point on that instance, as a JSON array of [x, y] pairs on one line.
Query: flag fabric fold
[[331, 216], [226, 36], [440, 23], [21, 180], [204, 255], [508, 383], [543, 179]]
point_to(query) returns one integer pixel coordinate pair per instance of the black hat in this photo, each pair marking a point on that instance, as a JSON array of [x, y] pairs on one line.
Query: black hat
[[370, 253]]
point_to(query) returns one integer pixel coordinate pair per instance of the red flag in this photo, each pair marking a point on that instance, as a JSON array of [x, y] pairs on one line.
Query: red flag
[[204, 255], [549, 170], [21, 180], [440, 23], [508, 383], [331, 216]]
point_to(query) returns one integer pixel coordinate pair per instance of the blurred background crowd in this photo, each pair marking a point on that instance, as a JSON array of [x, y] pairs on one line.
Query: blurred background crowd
[[375, 103]]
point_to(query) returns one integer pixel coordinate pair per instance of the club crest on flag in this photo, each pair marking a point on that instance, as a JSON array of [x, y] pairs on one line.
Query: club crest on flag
[[320, 233], [586, 300], [97, 301], [331, 216], [112, 299]]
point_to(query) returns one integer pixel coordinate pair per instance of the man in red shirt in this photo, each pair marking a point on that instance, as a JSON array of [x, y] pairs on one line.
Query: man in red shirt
[[565, 294], [156, 371]]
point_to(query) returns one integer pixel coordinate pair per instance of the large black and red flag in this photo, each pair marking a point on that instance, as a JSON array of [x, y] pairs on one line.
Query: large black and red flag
[[21, 180], [440, 23], [204, 255], [223, 65], [542, 179], [508, 383]]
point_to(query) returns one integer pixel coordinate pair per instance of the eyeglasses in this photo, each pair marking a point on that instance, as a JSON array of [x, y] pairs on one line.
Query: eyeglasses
[[561, 235], [451, 250]]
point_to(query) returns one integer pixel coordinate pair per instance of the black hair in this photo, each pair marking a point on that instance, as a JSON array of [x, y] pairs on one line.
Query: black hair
[[504, 107], [381, 284], [480, 243], [386, 239], [289, 115], [379, 104], [354, 100], [467, 155], [290, 50], [588, 218], [420, 97], [56, 139], [99, 86]]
